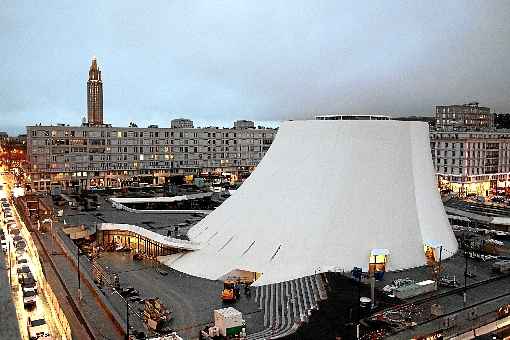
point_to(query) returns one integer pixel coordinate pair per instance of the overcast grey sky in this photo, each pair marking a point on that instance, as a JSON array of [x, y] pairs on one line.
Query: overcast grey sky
[[217, 61]]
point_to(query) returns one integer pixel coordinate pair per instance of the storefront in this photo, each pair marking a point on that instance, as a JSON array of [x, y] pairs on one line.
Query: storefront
[[378, 260], [119, 239]]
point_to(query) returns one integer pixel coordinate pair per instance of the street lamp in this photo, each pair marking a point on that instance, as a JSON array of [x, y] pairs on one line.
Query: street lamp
[[127, 319], [115, 291], [79, 281]]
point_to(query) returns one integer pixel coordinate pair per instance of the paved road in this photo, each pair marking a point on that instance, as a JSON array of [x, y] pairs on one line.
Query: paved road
[[479, 208], [192, 300], [102, 325], [9, 323]]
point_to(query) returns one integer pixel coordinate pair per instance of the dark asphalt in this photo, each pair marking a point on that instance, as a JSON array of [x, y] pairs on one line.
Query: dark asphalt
[[159, 223], [191, 299], [9, 328]]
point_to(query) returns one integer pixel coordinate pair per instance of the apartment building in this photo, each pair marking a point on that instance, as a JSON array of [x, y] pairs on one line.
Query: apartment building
[[469, 116], [472, 161], [104, 156]]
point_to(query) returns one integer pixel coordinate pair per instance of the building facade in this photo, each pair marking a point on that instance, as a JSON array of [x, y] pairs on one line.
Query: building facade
[[470, 156], [352, 117], [463, 117], [181, 123], [94, 95], [105, 156]]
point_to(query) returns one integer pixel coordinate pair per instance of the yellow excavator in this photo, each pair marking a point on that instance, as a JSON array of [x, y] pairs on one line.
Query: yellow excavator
[[230, 291]]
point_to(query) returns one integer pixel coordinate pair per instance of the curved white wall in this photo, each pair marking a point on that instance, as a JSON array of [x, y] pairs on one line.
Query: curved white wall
[[324, 196]]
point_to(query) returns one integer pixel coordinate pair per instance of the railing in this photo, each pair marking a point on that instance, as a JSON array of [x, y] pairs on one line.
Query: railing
[[62, 324]]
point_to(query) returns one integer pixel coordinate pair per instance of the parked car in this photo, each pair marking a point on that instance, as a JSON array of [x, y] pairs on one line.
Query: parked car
[[37, 328], [23, 276], [28, 282], [29, 298], [129, 292], [21, 260], [4, 246], [24, 268], [16, 239]]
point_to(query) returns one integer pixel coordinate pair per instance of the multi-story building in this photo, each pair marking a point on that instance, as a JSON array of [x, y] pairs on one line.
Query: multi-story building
[[105, 156], [463, 117], [181, 123], [99, 155], [341, 116], [469, 154], [244, 124]]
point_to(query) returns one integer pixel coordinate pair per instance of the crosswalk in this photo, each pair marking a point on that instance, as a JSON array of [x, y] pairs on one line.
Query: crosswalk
[[287, 305]]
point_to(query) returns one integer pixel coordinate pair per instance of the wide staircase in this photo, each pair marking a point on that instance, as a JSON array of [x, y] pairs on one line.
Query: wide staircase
[[288, 304]]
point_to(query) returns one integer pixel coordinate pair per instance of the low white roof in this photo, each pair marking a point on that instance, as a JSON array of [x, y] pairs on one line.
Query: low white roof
[[501, 220], [160, 199], [164, 240]]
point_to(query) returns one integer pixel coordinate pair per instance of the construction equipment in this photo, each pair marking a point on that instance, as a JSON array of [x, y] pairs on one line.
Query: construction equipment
[[155, 314], [230, 292]]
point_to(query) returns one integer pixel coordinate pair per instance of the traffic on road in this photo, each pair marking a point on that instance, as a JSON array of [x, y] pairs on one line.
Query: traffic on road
[[32, 310]]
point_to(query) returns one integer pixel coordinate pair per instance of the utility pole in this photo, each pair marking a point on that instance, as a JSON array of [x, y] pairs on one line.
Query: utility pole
[[440, 259], [465, 273], [79, 281], [127, 319]]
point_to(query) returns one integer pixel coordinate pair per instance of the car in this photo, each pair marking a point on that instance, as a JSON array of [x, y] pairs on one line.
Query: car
[[136, 299], [16, 239], [28, 283], [24, 268], [20, 260], [21, 245], [29, 298], [4, 246], [24, 276], [129, 292], [37, 328]]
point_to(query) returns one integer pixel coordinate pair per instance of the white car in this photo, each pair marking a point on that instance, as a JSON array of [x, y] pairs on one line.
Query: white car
[[37, 328], [4, 246], [29, 297]]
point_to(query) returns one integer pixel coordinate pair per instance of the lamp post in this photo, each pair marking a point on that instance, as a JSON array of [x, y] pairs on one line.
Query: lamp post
[[465, 274], [127, 319], [79, 281], [115, 291]]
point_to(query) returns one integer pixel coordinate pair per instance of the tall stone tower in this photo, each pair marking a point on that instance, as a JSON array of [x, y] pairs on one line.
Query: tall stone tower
[[94, 95]]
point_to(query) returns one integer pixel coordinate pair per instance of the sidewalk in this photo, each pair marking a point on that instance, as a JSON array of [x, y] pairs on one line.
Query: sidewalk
[[10, 325], [97, 319], [77, 327], [88, 318]]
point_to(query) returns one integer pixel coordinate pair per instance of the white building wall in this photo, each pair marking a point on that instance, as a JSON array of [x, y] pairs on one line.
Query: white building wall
[[325, 195]]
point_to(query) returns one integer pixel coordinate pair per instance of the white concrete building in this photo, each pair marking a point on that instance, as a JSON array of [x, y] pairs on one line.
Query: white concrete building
[[329, 195]]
